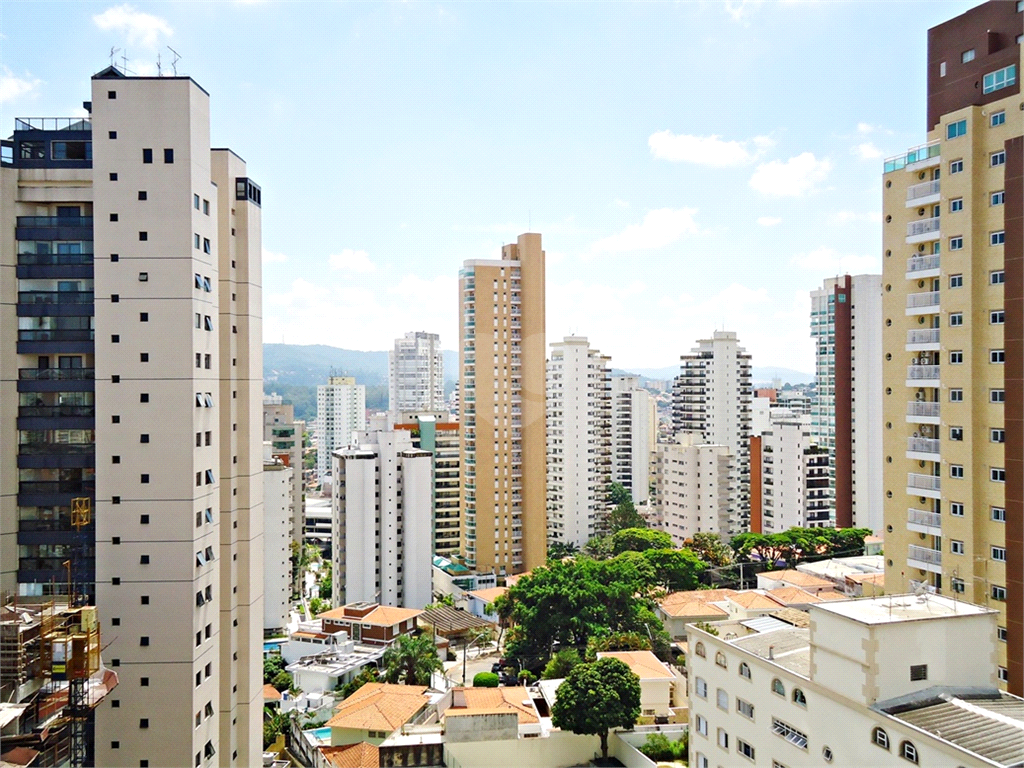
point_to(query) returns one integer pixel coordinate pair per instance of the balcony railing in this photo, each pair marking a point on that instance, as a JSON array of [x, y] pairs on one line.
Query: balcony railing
[[54, 221], [56, 374], [76, 487], [55, 259], [923, 226], [48, 411], [923, 372], [55, 334], [924, 555], [920, 409], [926, 336], [56, 449], [922, 445], [914, 155], [55, 297], [918, 300], [52, 124], [922, 263], [924, 517], [927, 189], [923, 482]]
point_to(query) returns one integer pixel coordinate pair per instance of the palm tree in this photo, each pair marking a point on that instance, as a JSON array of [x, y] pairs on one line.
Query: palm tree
[[411, 660]]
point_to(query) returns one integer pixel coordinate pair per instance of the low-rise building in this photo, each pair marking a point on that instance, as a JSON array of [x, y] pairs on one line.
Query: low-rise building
[[376, 711], [369, 623], [846, 573], [794, 578], [481, 600], [879, 681]]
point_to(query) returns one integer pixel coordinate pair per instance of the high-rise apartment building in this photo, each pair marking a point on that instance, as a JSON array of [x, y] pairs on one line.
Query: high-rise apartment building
[[131, 365], [790, 487], [285, 436], [381, 502], [634, 434], [846, 416], [502, 412], [711, 400], [953, 334], [416, 374], [277, 538], [340, 413], [434, 432], [579, 462], [691, 487]]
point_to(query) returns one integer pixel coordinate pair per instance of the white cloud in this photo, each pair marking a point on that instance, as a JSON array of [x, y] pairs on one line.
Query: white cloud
[[11, 87], [828, 261], [769, 221], [658, 229], [269, 257], [351, 261], [795, 177], [139, 28], [867, 151], [865, 128], [706, 150], [847, 217]]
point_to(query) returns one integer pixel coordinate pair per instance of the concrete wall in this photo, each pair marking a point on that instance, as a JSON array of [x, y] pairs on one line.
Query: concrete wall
[[559, 750]]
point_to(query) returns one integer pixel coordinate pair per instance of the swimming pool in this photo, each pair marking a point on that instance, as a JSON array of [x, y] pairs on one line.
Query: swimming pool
[[321, 734]]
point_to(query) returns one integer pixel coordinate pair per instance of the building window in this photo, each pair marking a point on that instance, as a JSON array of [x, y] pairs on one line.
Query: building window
[[997, 118], [918, 672], [1004, 676], [996, 356], [956, 433], [956, 471], [997, 277], [723, 699], [997, 158], [720, 660], [778, 687], [997, 396], [956, 319], [956, 281], [967, 56], [999, 554], [956, 357], [997, 238], [956, 166], [956, 205], [997, 198], [997, 317], [998, 593], [1001, 78], [745, 708], [143, 236], [699, 650], [880, 738], [799, 698], [954, 130], [744, 670], [908, 751], [701, 687], [997, 474], [789, 733], [956, 395], [147, 155], [957, 585], [168, 156], [956, 547], [744, 749], [702, 726], [956, 508], [956, 243], [723, 739], [999, 514], [1001, 634]]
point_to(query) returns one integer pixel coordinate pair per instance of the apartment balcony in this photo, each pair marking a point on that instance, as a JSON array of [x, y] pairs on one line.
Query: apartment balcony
[[923, 521], [923, 194], [925, 559], [923, 303], [915, 158], [928, 486], [923, 449], [923, 340], [922, 375], [919, 412], [923, 230], [919, 267]]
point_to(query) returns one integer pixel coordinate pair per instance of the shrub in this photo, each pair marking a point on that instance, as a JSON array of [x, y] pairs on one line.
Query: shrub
[[659, 749], [526, 677], [485, 680]]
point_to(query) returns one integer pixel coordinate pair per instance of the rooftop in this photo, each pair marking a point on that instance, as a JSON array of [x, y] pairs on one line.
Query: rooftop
[[382, 615], [796, 578], [358, 755], [988, 723], [643, 664], [489, 595], [379, 707], [482, 701], [447, 620], [896, 608]]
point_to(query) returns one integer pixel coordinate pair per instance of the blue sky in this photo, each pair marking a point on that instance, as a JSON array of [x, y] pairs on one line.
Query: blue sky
[[691, 166]]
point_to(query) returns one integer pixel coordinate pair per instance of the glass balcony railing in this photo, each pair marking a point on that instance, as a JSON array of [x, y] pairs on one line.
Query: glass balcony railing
[[55, 297], [925, 336], [54, 221], [927, 189], [914, 155], [923, 263], [56, 374], [55, 334], [55, 411]]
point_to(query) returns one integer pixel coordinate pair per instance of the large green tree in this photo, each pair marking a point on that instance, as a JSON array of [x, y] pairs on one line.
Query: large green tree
[[710, 548], [411, 660], [597, 697], [624, 515], [797, 544], [675, 569], [618, 494], [561, 664], [639, 540]]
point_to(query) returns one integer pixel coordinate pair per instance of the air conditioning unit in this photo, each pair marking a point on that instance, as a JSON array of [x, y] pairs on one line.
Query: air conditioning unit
[[919, 395]]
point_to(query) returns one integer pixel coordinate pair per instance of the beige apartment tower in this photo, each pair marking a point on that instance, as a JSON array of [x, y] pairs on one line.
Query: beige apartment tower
[[130, 359], [502, 400], [952, 289]]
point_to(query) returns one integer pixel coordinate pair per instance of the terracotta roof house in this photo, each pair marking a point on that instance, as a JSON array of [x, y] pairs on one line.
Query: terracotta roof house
[[370, 623]]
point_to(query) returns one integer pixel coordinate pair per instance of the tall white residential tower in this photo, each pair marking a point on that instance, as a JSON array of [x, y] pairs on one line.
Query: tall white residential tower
[[340, 413], [416, 374]]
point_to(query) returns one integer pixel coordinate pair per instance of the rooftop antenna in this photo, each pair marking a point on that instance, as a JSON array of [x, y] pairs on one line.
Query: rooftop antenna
[[124, 61], [113, 51], [159, 71], [177, 58]]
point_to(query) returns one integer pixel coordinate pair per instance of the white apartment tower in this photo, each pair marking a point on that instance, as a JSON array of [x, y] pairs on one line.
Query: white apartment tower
[[691, 487], [285, 436], [711, 400], [277, 538], [634, 435], [131, 367], [340, 413], [579, 440], [846, 416], [382, 510], [416, 374], [794, 478]]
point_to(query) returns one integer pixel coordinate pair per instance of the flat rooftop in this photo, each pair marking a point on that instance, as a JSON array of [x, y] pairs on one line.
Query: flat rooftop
[[892, 609]]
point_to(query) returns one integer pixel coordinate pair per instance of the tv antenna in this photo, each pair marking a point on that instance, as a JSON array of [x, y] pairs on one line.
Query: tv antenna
[[177, 58], [124, 61], [159, 72], [113, 52]]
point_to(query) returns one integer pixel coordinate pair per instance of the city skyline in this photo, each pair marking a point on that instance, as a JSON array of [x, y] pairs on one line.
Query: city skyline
[[661, 155]]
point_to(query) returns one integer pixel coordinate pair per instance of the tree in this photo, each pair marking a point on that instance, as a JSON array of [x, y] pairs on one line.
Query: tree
[[526, 677], [411, 660], [485, 680], [710, 548], [273, 724], [624, 515], [677, 569], [619, 494], [619, 641], [599, 548], [326, 584], [639, 540], [557, 550], [366, 675], [596, 697], [561, 664], [272, 665], [282, 681], [318, 605], [444, 600]]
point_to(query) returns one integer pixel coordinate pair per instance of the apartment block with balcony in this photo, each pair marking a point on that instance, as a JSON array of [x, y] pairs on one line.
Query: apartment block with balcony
[[285, 436], [954, 331], [793, 485], [416, 374], [846, 416], [634, 434], [131, 340], [340, 413], [692, 482], [579, 437], [502, 409], [711, 401]]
